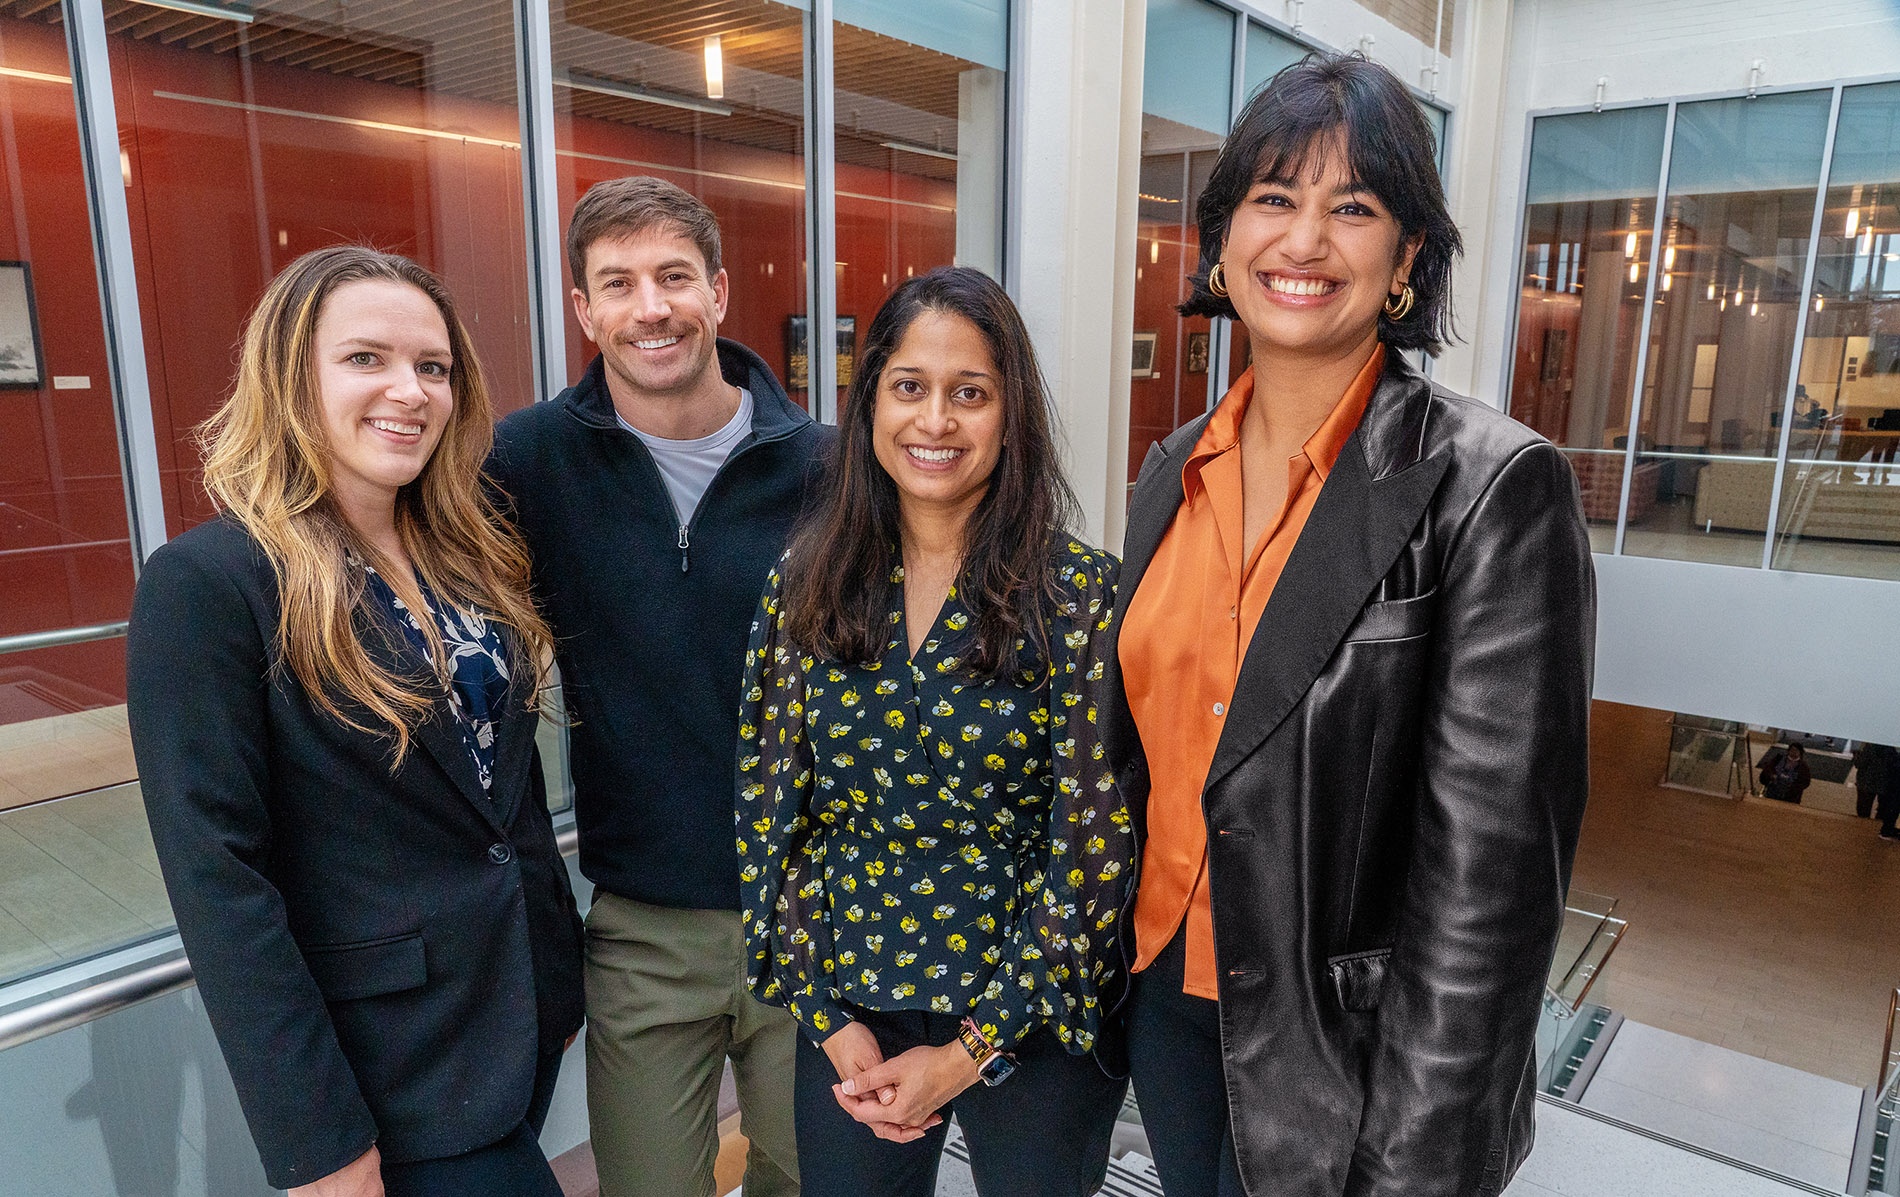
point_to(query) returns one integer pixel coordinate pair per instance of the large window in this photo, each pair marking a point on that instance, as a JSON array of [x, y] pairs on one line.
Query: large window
[[253, 138], [711, 97], [1710, 366], [1590, 205], [920, 111], [248, 134], [1840, 491], [1187, 101], [1190, 96], [1733, 244]]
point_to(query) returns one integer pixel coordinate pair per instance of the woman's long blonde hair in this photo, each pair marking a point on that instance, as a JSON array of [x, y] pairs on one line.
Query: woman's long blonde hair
[[267, 464]]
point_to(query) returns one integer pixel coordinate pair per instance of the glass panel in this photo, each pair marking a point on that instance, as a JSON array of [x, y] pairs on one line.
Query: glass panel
[[1185, 100], [634, 95], [1591, 205], [1840, 498], [250, 142], [65, 557], [1267, 54], [77, 877], [921, 112], [1189, 64], [65, 554], [1742, 183]]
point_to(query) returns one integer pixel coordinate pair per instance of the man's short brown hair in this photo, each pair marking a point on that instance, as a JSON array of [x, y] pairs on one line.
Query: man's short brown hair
[[624, 207]]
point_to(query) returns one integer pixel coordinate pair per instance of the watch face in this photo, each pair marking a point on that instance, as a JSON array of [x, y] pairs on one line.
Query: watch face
[[997, 1069]]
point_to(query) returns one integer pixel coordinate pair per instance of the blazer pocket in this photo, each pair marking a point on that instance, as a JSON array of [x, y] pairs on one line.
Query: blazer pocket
[[1359, 978], [1395, 619], [348, 971]]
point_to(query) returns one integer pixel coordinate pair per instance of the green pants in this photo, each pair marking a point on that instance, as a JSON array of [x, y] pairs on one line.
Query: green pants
[[667, 1006]]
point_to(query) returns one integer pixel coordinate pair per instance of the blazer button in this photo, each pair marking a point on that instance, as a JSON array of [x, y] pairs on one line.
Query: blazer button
[[501, 854]]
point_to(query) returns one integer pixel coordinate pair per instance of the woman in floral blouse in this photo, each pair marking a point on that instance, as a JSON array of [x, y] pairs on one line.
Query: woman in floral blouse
[[933, 851]]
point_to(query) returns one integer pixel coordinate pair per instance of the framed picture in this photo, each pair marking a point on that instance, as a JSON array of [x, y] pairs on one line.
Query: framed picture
[[1556, 344], [20, 364], [1144, 361], [798, 351], [1197, 353], [847, 348]]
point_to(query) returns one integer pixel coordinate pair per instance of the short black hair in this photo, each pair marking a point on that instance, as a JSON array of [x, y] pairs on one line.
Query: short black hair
[[1390, 150]]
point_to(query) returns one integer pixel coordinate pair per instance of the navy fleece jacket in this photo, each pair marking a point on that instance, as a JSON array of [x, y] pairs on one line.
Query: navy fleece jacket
[[651, 619]]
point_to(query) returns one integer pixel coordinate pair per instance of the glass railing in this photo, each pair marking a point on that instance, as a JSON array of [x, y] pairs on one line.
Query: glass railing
[[1883, 1164], [1883, 1169], [1569, 1026]]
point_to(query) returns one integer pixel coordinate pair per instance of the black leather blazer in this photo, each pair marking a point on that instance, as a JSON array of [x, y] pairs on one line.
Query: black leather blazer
[[1395, 801], [384, 957]]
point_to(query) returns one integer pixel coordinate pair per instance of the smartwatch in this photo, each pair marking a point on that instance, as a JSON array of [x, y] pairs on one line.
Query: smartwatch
[[993, 1066]]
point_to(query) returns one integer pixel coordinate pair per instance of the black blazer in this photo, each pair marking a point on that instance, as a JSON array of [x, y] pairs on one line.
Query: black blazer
[[1395, 801], [384, 957]]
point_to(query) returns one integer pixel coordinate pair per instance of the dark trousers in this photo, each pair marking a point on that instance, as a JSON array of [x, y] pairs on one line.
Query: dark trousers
[[512, 1167], [1889, 810], [1044, 1132], [1180, 1083]]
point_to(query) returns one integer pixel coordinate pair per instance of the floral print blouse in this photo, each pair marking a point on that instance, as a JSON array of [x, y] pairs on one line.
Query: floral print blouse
[[477, 670], [914, 838]]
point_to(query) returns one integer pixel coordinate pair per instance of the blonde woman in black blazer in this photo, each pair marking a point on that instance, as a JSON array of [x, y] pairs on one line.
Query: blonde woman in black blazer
[[331, 691]]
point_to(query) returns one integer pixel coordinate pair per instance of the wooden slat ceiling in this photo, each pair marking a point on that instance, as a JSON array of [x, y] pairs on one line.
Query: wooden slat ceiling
[[468, 49]]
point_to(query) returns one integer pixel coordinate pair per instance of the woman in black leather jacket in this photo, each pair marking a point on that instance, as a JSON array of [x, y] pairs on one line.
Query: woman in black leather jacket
[[1355, 679]]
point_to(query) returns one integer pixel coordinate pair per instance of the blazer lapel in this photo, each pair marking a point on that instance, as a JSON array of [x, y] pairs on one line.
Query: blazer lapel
[[1358, 526], [440, 734], [515, 727], [1151, 508]]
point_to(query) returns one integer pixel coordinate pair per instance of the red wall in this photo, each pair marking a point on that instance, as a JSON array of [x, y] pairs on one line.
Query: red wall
[[222, 197]]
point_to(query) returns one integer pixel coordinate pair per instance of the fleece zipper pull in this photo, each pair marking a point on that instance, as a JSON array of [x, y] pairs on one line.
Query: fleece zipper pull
[[685, 544]]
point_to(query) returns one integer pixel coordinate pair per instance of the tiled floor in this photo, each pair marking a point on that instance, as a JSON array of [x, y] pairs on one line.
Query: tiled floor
[[77, 877], [1754, 925], [1767, 1114], [64, 754], [1578, 1156]]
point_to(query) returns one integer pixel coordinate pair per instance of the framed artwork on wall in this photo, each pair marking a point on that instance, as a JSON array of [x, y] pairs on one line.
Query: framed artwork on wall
[[798, 351], [1197, 353], [1144, 360], [20, 363]]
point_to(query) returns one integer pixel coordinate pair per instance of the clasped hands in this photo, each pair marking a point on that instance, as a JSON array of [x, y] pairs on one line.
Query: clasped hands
[[897, 1099]]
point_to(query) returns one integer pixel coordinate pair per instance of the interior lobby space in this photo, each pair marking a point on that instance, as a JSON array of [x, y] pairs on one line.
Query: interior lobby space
[[1753, 925]]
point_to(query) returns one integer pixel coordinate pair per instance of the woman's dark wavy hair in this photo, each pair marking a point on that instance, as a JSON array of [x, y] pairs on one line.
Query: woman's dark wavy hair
[[1390, 151], [837, 589]]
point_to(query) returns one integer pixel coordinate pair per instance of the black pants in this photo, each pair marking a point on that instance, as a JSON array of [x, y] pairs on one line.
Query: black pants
[[1175, 1063], [1044, 1132], [512, 1167], [1889, 810]]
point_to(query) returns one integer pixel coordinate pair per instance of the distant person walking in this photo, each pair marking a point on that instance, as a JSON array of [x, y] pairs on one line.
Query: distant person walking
[[1888, 795], [1784, 773], [1870, 770]]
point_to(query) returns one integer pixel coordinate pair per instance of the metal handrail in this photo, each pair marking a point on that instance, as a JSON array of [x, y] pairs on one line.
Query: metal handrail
[[28, 641], [1886, 1047], [1616, 938], [111, 994], [1604, 918]]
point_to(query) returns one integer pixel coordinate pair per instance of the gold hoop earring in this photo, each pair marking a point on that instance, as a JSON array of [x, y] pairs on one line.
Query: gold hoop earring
[[1217, 280], [1398, 307]]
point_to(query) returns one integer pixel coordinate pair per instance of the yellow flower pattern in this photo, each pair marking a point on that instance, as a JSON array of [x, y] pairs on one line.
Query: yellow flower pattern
[[970, 855]]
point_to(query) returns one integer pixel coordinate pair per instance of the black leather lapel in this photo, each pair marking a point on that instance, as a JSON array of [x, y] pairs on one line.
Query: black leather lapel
[[1355, 532]]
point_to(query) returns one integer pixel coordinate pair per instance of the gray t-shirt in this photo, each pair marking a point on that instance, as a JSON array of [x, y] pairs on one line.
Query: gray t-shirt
[[688, 466]]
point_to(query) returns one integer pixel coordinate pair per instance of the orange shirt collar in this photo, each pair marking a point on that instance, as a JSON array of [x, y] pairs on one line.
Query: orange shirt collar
[[1322, 449]]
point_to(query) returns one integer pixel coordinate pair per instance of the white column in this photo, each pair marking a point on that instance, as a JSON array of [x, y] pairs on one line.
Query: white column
[[1077, 162], [980, 169], [1484, 187]]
